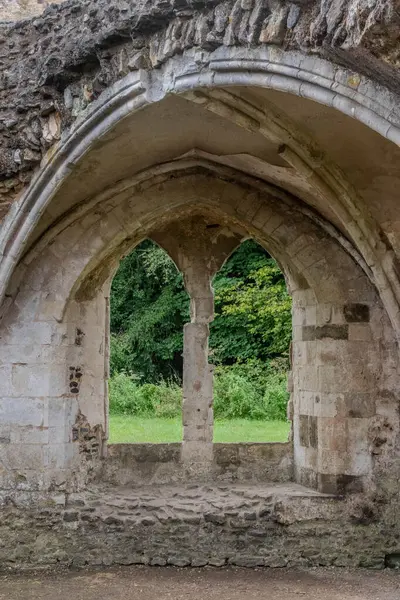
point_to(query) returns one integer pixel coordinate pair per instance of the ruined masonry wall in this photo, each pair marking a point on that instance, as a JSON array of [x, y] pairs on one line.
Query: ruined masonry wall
[[145, 464], [55, 65], [194, 525]]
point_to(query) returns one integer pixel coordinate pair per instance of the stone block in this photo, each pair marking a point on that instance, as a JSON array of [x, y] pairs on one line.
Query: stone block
[[308, 256], [304, 431], [356, 313], [326, 404], [59, 435], [6, 380], [262, 216], [307, 477], [331, 331], [297, 333], [22, 457], [360, 332], [307, 378], [300, 243], [311, 315], [331, 461], [60, 456], [37, 333], [23, 411], [304, 353], [313, 431], [339, 484], [40, 380], [202, 309], [334, 379], [357, 405], [330, 352], [197, 452], [273, 223], [306, 402], [29, 435], [62, 411], [335, 332], [299, 316], [333, 434], [304, 297]]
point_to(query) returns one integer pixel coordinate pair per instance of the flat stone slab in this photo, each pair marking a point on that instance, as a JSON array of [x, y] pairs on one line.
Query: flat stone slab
[[231, 505]]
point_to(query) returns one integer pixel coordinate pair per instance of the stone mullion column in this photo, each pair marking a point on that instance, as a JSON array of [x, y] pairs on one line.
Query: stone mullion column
[[197, 411], [198, 249]]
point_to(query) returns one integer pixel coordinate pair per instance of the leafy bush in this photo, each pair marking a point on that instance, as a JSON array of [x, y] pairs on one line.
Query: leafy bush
[[251, 390], [123, 394], [235, 397], [276, 398], [129, 398], [243, 391], [163, 400]]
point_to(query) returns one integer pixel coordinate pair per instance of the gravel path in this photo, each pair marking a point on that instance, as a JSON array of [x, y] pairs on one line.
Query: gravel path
[[144, 583]]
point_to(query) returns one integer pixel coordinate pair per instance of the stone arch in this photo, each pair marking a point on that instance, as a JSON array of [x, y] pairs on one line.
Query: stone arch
[[309, 147], [338, 327], [263, 67]]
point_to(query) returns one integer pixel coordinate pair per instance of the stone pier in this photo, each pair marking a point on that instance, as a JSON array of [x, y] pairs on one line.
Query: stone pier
[[199, 249]]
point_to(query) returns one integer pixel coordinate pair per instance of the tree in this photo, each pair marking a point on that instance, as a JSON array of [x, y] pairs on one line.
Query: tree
[[149, 307]]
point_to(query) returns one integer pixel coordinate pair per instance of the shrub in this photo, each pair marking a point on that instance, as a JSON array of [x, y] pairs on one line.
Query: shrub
[[276, 398], [163, 399], [123, 394], [250, 390], [129, 398], [235, 397]]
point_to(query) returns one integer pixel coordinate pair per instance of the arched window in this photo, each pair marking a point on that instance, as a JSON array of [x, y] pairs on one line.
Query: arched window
[[248, 348]]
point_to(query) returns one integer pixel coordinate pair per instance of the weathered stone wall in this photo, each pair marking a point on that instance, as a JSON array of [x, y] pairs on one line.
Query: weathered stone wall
[[144, 464], [333, 369], [58, 63], [220, 112], [196, 525]]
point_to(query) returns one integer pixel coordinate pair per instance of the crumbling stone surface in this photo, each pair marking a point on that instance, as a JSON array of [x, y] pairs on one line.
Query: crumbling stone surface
[[265, 148], [249, 526], [144, 464], [57, 63], [14, 10]]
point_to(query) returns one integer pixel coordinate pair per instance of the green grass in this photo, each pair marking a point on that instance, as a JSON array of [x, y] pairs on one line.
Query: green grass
[[129, 430]]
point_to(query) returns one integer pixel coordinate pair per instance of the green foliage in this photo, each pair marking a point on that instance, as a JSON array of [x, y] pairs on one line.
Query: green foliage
[[235, 397], [249, 337], [127, 397], [251, 390], [276, 398], [149, 307], [253, 308], [241, 391]]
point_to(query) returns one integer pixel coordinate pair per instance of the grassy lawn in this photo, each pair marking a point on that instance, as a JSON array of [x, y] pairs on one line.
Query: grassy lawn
[[126, 429]]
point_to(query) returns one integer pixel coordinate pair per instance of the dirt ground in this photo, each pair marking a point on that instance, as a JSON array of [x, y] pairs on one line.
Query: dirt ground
[[143, 583]]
